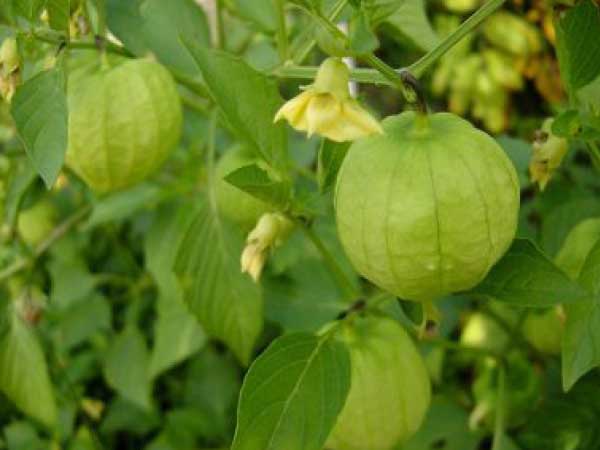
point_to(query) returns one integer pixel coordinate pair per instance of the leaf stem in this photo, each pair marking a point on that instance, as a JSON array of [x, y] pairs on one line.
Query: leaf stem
[[306, 40], [55, 38], [43, 246], [420, 66], [282, 37], [499, 425], [344, 283]]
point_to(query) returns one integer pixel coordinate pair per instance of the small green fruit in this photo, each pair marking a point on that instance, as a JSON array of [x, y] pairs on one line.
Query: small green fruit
[[36, 223], [427, 208], [483, 332], [544, 331], [235, 204], [390, 389], [124, 119]]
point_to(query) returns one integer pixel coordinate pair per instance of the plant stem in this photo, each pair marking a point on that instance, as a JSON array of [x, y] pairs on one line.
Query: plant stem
[[497, 443], [282, 37], [306, 39], [341, 278], [594, 154], [361, 75], [58, 39], [43, 246], [419, 67], [384, 74]]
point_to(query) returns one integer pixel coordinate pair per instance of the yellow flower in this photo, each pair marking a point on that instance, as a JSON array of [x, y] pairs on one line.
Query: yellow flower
[[270, 231], [548, 153], [326, 107]]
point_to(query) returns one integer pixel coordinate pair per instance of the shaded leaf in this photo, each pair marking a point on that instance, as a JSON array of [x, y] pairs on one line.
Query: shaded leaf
[[24, 373], [258, 183], [410, 22], [227, 303], [577, 46], [126, 367], [292, 394], [59, 14], [39, 109], [330, 158], [526, 277], [247, 99], [581, 341]]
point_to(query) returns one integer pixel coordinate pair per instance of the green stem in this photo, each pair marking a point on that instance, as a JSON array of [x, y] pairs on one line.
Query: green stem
[[594, 154], [360, 75], [43, 246], [210, 161], [282, 37], [497, 443], [339, 275], [55, 38], [419, 67], [306, 39]]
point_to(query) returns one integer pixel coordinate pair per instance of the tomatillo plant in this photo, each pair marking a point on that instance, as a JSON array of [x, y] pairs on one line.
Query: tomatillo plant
[[299, 225]]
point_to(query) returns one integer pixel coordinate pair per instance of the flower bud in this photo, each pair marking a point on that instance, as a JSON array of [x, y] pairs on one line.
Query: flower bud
[[269, 233], [9, 56], [548, 153]]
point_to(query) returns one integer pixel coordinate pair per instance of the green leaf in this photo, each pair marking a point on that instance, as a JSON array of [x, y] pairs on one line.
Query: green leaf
[[29, 9], [562, 218], [526, 277], [445, 422], [305, 298], [247, 99], [581, 341], [126, 367], [330, 158], [362, 38], [24, 375], [292, 394], [410, 22], [124, 204], [258, 183], [149, 26], [577, 45], [227, 303], [260, 12], [177, 334], [519, 151], [19, 184], [39, 109], [59, 14]]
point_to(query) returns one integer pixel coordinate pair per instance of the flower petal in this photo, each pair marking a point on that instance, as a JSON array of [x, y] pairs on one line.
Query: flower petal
[[322, 113], [354, 123], [294, 110]]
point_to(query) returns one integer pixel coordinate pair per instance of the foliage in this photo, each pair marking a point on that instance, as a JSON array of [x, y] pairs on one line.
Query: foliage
[[217, 234]]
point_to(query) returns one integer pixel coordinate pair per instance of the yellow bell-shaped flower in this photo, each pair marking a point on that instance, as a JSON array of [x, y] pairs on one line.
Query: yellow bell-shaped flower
[[326, 107], [548, 153]]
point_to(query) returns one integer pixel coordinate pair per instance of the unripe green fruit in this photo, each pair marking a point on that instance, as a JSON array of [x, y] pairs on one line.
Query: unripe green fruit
[[427, 208], [36, 223], [544, 331], [389, 391], [483, 332], [235, 204], [124, 119]]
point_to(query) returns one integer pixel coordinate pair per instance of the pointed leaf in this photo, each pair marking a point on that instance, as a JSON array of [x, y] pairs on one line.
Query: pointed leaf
[[247, 99], [330, 158], [39, 109], [59, 14], [24, 373], [257, 182], [292, 394], [581, 341], [526, 277], [227, 303]]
